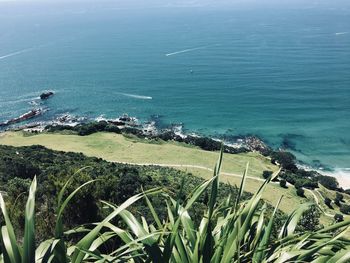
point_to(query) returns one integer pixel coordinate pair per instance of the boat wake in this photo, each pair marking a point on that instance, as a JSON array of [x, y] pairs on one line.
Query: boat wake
[[341, 33], [185, 51], [135, 96], [16, 53]]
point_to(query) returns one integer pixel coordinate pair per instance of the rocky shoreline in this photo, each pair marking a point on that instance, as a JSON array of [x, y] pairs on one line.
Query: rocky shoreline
[[153, 130], [150, 130]]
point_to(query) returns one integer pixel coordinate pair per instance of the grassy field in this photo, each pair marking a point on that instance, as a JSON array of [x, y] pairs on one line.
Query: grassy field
[[119, 148]]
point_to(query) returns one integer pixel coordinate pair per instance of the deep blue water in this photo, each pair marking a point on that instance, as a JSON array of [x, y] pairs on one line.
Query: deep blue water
[[281, 74]]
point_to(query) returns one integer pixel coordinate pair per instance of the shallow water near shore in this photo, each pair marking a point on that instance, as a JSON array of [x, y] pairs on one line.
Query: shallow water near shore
[[280, 74]]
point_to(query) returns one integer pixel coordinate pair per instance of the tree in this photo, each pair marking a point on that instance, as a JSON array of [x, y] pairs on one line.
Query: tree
[[298, 184], [267, 174], [337, 202], [338, 218], [285, 159], [345, 209], [310, 220], [283, 183], [339, 196], [328, 202], [300, 192], [328, 181]]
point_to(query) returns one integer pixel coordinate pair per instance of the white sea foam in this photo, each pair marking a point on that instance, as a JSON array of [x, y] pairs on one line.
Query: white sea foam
[[343, 176], [101, 118], [341, 33], [16, 53], [141, 97], [185, 51]]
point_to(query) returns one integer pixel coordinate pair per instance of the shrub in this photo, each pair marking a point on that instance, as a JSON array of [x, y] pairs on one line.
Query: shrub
[[345, 209], [339, 196], [112, 128], [310, 220], [328, 202], [298, 184], [300, 192], [338, 218], [266, 174], [337, 202], [285, 159], [328, 181], [90, 128], [283, 183], [204, 143], [18, 167]]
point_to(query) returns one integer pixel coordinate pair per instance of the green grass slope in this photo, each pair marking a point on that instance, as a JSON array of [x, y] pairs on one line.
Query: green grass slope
[[119, 148]]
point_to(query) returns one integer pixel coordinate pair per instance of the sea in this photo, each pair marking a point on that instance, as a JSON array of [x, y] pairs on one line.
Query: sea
[[282, 74]]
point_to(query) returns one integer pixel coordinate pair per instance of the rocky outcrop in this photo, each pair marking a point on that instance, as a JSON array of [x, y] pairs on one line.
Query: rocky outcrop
[[31, 114], [46, 95]]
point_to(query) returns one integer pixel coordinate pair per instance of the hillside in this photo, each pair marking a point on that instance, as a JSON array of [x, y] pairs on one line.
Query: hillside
[[129, 149]]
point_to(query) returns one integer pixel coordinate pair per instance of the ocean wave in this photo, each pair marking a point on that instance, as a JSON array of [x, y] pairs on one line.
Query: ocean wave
[[135, 96], [341, 174]]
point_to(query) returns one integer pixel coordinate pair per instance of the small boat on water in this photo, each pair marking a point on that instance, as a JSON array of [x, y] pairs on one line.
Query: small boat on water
[[26, 116]]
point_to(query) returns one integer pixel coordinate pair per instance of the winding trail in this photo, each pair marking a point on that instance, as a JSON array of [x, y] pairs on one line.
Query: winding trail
[[193, 166], [317, 201]]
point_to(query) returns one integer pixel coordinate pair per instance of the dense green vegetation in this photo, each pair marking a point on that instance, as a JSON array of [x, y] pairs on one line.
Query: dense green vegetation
[[300, 177], [115, 183], [229, 229]]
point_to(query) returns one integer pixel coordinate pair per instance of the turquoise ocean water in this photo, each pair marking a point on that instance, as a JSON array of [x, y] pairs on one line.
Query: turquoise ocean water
[[281, 74]]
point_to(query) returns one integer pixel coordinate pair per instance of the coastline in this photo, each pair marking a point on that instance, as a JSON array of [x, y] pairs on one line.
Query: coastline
[[342, 177], [152, 130]]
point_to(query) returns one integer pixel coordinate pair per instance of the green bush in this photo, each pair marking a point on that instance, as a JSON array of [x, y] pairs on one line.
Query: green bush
[[337, 202], [300, 192], [328, 182], [338, 218], [345, 209], [286, 159], [328, 202], [339, 197], [283, 183], [266, 174]]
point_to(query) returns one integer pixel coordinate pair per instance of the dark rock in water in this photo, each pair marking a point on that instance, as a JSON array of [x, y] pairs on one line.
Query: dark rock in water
[[287, 143], [26, 116], [46, 95]]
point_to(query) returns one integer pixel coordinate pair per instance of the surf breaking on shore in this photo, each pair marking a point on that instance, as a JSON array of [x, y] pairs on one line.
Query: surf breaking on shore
[[153, 128]]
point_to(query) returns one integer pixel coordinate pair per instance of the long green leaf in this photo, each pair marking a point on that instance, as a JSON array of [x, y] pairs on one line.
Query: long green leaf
[[29, 229]]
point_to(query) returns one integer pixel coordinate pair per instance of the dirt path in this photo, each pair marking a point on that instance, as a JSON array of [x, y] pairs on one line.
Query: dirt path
[[317, 201], [196, 167]]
